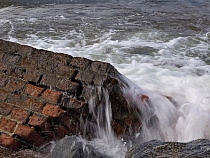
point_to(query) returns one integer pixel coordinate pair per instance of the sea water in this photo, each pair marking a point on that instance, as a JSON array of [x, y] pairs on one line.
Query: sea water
[[163, 47]]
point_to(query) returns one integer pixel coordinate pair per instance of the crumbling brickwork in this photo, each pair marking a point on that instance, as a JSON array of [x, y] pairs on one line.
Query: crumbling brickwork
[[43, 95]]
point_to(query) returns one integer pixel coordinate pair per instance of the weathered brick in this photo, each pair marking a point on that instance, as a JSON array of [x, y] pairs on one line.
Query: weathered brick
[[49, 80], [69, 86], [20, 115], [30, 135], [7, 125], [9, 47], [11, 58], [33, 90], [10, 142], [3, 94], [1, 54], [80, 62], [84, 78], [51, 96], [25, 51], [3, 80], [118, 128], [15, 85], [5, 109], [61, 58], [3, 67], [57, 132], [32, 75], [72, 103], [36, 120], [52, 110], [71, 121], [27, 63], [99, 67], [16, 99], [63, 70], [15, 71], [33, 105]]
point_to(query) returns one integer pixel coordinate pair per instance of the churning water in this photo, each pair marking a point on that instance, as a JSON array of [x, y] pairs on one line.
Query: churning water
[[161, 46]]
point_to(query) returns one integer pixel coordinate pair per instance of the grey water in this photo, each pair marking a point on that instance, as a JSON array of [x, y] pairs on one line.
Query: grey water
[[162, 46]]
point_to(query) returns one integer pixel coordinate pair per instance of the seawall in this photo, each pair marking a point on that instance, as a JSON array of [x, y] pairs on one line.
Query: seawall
[[45, 95]]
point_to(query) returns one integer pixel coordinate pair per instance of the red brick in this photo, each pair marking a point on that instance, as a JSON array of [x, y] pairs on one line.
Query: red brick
[[10, 142], [15, 85], [49, 80], [20, 115], [30, 135], [7, 125], [37, 120], [3, 94], [69, 86], [5, 109], [33, 90], [52, 110], [51, 96], [34, 105]]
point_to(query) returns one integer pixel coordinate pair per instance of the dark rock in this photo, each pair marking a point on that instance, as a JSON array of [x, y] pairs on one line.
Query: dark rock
[[74, 147], [155, 148]]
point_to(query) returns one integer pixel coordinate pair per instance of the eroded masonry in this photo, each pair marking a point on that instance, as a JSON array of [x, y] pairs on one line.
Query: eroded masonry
[[45, 95]]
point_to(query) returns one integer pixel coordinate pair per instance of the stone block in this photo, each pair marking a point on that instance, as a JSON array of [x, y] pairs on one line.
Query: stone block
[[20, 115], [5, 109], [52, 110], [7, 125], [51, 96], [30, 135], [33, 90], [10, 142]]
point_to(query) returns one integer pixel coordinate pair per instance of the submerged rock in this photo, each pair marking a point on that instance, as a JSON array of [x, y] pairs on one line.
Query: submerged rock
[[74, 147], [155, 148]]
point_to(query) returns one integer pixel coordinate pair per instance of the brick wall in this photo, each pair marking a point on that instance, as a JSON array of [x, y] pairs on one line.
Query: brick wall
[[43, 95]]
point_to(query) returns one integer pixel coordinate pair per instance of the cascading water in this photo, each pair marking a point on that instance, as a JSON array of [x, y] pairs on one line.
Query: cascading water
[[161, 46]]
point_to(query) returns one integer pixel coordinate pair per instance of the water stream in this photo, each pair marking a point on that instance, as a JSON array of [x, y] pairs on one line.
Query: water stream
[[163, 47]]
